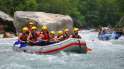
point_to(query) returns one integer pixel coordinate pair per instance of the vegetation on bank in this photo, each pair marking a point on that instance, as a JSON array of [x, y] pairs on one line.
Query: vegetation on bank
[[85, 13]]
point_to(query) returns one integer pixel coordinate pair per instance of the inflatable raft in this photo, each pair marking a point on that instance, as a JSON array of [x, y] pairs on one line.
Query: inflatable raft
[[69, 45]]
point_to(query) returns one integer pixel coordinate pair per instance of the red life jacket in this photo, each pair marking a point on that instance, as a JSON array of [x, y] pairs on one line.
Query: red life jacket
[[24, 37], [46, 36], [75, 36]]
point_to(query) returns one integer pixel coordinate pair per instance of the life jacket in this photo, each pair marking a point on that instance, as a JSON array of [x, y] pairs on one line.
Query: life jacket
[[46, 36], [66, 36], [34, 36], [23, 36], [75, 36]]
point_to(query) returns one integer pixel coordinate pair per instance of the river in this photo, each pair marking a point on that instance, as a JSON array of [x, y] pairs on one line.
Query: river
[[102, 56]]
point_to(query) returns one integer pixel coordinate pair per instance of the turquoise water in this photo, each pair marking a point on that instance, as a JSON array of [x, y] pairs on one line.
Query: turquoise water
[[101, 57]]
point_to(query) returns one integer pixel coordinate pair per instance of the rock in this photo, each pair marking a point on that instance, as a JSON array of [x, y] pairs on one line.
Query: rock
[[53, 21], [6, 23], [8, 35], [4, 16]]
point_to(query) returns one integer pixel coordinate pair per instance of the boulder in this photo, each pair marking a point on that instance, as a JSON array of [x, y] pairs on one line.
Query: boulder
[[5, 16], [6, 23], [53, 21]]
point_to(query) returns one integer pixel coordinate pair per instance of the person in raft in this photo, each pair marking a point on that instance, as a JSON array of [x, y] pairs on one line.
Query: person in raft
[[44, 35], [60, 36], [53, 37], [22, 38], [66, 33], [33, 36], [24, 35], [75, 33], [30, 25]]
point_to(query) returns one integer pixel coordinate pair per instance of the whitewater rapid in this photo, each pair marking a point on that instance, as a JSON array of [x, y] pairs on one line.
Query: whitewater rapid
[[103, 56]]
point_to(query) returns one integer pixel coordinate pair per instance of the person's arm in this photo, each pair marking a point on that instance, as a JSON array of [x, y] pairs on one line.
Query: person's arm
[[19, 36], [29, 36], [60, 38], [71, 36], [55, 39]]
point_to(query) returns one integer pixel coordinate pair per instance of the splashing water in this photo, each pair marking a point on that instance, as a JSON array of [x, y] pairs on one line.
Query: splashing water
[[103, 56]]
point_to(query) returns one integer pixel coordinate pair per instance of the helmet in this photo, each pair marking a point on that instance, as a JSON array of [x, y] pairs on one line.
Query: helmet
[[31, 23], [25, 29], [52, 32], [34, 28], [76, 29], [44, 27], [66, 30], [60, 32]]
